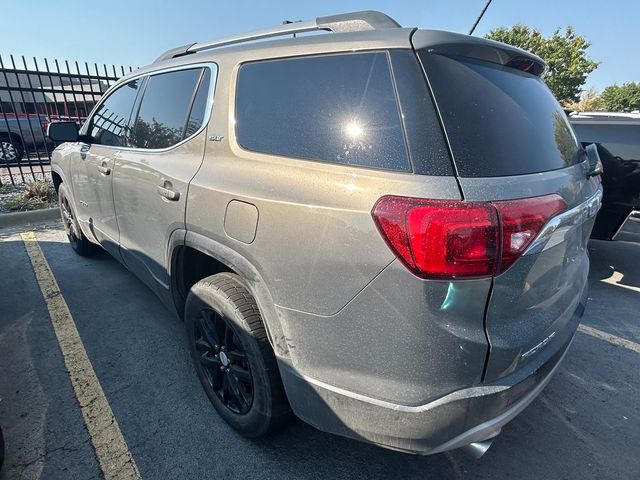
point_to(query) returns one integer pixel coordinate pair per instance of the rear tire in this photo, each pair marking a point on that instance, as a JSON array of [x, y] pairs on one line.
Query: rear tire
[[79, 243], [227, 339]]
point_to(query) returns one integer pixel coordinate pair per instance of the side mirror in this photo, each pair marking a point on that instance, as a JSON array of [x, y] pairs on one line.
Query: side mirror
[[595, 165], [63, 131]]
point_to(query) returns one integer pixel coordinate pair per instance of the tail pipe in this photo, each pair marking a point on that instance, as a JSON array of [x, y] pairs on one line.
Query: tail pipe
[[477, 449]]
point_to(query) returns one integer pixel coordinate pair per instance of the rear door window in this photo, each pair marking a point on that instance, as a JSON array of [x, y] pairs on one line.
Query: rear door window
[[198, 110], [332, 108], [162, 117], [500, 121]]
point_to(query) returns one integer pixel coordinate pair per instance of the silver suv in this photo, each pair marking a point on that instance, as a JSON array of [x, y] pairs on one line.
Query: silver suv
[[382, 229]]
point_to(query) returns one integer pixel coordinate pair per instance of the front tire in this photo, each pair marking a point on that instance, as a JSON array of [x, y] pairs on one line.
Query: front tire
[[232, 356], [79, 243]]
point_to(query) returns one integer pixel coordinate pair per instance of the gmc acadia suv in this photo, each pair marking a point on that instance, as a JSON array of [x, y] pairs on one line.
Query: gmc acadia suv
[[382, 229]]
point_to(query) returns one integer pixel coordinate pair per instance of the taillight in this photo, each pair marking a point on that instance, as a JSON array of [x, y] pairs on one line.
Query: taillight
[[521, 221], [449, 239]]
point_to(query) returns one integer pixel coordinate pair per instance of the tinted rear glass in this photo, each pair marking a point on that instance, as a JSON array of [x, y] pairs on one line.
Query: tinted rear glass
[[499, 121], [333, 108], [427, 147], [163, 112], [196, 117]]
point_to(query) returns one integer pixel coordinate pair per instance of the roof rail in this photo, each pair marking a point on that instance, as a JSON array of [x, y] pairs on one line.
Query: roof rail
[[346, 22]]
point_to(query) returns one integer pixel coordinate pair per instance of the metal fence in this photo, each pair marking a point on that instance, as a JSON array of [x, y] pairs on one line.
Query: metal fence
[[33, 94]]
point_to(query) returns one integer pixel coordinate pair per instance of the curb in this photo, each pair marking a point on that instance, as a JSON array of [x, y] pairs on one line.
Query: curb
[[27, 218]]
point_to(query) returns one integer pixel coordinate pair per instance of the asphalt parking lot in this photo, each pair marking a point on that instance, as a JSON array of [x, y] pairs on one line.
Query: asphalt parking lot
[[586, 423]]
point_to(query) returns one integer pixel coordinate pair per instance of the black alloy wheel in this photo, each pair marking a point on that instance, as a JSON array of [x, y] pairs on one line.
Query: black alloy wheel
[[224, 361], [232, 355]]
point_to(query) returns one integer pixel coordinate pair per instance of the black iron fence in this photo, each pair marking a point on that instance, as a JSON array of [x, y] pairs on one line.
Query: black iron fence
[[33, 94]]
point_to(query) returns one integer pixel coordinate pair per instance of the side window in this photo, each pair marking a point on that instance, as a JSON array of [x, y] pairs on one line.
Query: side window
[[334, 108], [198, 110], [163, 112], [109, 124]]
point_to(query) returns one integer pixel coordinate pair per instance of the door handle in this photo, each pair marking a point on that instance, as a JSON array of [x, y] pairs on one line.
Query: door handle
[[104, 170], [168, 193]]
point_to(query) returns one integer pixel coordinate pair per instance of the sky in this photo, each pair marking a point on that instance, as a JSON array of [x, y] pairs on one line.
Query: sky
[[134, 32]]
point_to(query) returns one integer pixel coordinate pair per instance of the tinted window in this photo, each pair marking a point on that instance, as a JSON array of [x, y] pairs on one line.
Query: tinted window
[[500, 121], [109, 125], [163, 112], [196, 117], [427, 147], [334, 108]]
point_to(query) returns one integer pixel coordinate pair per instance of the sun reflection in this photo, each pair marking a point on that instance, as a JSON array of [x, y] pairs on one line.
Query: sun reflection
[[353, 129]]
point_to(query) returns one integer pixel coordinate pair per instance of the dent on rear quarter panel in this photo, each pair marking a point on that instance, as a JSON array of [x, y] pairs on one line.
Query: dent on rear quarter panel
[[402, 339]]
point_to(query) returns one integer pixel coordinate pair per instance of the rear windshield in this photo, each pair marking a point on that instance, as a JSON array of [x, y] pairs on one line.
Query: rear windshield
[[499, 121]]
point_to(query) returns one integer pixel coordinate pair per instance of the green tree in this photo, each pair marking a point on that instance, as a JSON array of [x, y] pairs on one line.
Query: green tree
[[565, 53], [590, 101], [622, 98]]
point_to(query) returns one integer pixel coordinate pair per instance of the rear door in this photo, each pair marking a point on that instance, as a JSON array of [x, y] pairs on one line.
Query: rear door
[[510, 139], [151, 178], [92, 170]]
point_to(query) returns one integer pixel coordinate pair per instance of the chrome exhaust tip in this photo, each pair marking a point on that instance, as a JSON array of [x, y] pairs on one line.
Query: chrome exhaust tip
[[477, 449]]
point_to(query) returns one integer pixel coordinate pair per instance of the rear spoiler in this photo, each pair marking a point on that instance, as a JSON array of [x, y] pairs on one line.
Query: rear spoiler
[[456, 44]]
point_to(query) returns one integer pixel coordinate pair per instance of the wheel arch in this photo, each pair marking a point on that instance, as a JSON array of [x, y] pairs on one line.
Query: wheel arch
[[12, 135], [58, 177], [57, 180], [222, 259]]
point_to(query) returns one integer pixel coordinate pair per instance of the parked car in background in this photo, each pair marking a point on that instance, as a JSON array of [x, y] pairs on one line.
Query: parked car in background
[[617, 136], [331, 247], [20, 133]]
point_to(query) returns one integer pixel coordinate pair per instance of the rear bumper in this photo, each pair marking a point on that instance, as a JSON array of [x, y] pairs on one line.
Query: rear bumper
[[462, 417]]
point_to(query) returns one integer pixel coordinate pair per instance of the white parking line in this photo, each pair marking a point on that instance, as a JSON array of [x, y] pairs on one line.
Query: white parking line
[[110, 446], [607, 337], [616, 278]]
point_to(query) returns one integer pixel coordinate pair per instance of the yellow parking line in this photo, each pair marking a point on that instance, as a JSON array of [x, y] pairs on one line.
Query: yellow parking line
[[110, 446], [607, 337]]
